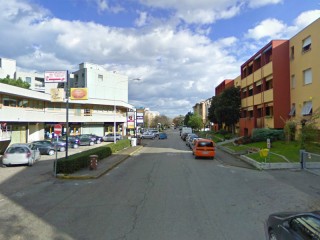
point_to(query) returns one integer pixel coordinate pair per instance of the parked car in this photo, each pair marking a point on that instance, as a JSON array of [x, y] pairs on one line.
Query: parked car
[[293, 225], [155, 132], [184, 136], [147, 135], [59, 144], [110, 137], [85, 140], [45, 147], [72, 141], [190, 138], [21, 153], [162, 135], [203, 148], [96, 139]]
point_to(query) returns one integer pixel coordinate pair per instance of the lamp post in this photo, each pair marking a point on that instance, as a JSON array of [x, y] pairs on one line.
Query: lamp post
[[115, 112]]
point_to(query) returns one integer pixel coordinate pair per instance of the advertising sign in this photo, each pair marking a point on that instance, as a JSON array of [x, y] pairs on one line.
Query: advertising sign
[[130, 120], [55, 76], [79, 93], [57, 94]]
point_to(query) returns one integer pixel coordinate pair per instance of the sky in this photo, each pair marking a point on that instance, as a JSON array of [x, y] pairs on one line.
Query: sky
[[180, 50]]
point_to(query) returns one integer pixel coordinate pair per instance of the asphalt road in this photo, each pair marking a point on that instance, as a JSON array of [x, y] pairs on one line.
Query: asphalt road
[[160, 193]]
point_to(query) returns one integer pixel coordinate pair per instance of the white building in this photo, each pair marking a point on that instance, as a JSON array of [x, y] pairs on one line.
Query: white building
[[29, 114]]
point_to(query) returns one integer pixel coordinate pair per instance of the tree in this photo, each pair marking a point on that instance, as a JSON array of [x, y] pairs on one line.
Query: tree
[[195, 121], [225, 108], [163, 120], [178, 121], [186, 118], [14, 82]]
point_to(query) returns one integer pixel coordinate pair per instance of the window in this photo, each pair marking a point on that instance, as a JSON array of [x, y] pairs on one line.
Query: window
[[28, 80], [293, 81], [269, 111], [250, 92], [293, 110], [306, 44], [100, 78], [307, 108], [87, 112], [258, 87], [9, 102], [307, 76], [292, 53], [306, 227], [269, 84]]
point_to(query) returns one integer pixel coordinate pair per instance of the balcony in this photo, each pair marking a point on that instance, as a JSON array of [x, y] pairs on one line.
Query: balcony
[[267, 69]]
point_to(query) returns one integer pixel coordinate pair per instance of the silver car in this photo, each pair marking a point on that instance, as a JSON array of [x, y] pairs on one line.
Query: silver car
[[149, 135], [21, 153], [110, 137]]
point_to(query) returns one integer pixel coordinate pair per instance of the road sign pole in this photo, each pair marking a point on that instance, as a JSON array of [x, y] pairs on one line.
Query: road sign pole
[[67, 114]]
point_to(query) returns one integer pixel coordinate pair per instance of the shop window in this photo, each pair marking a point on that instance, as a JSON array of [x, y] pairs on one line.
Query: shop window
[[9, 102], [87, 112], [23, 103]]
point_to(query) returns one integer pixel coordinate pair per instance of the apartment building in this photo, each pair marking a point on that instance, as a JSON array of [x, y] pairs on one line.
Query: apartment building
[[305, 72], [265, 88], [202, 109]]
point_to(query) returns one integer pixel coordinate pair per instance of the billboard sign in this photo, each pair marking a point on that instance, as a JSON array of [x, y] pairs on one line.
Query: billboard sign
[[57, 94], [55, 76], [79, 93], [130, 120]]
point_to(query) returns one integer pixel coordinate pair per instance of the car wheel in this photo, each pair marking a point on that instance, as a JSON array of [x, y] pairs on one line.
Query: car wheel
[[75, 145], [98, 141], [4, 165], [272, 235], [51, 152], [91, 143], [62, 149]]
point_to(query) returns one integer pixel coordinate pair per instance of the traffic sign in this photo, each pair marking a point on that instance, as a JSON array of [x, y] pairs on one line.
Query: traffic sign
[[57, 129]]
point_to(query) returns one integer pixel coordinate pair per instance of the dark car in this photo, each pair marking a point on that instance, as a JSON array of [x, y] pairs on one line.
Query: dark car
[[72, 141], [96, 139], [45, 147], [85, 140], [294, 226]]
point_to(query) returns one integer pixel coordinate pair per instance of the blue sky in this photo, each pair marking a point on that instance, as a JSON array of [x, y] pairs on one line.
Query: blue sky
[[180, 49]]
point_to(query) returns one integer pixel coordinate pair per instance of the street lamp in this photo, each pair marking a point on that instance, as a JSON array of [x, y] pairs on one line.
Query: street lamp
[[115, 111]]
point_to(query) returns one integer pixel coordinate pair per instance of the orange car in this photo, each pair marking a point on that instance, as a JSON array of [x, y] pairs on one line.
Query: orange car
[[203, 148]]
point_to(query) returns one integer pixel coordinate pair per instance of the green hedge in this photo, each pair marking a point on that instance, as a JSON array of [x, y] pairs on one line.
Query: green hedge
[[81, 160], [262, 134]]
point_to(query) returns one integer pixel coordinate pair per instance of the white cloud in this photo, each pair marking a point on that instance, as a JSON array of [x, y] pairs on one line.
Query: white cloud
[[267, 29], [305, 18], [261, 3], [141, 21]]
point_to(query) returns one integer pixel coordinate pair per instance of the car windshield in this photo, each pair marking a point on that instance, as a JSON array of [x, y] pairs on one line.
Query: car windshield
[[17, 150], [205, 144]]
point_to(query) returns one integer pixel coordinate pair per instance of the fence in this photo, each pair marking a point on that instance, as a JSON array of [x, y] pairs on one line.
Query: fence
[[309, 160]]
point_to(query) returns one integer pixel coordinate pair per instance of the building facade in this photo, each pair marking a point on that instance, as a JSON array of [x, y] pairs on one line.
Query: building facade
[[29, 115], [265, 88], [305, 72]]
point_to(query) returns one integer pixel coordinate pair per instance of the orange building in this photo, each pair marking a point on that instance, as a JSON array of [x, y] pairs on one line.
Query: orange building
[[265, 88]]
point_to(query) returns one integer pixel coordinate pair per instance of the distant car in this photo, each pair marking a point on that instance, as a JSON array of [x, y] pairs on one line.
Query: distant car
[[294, 226], [21, 153], [162, 135], [96, 139], [155, 132], [85, 140], [110, 137], [203, 148], [72, 141], [45, 147], [190, 138], [59, 144], [147, 135]]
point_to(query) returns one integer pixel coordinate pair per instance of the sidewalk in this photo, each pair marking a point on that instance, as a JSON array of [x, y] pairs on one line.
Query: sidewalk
[[104, 165]]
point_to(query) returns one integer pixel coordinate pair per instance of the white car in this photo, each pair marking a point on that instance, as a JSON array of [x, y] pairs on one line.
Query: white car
[[21, 153], [110, 137], [149, 135]]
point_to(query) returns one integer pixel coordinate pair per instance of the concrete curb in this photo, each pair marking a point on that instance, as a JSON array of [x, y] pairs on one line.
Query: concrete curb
[[108, 169]]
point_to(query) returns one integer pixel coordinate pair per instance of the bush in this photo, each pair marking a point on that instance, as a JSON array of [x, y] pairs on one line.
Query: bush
[[81, 160], [262, 134]]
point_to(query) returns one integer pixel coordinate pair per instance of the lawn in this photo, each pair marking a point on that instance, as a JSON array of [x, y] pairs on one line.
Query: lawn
[[289, 150]]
